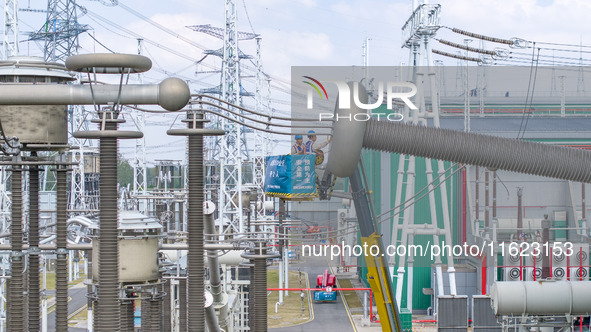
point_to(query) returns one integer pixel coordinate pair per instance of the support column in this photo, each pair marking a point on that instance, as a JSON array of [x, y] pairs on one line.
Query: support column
[[61, 277], [34, 287], [108, 317], [15, 317]]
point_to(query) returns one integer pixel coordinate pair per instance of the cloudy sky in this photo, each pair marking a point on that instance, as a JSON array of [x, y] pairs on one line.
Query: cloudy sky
[[310, 33]]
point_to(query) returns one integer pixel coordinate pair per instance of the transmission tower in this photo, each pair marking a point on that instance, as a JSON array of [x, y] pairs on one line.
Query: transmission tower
[[60, 31], [10, 20], [232, 149], [59, 35], [417, 33], [260, 139], [139, 165]]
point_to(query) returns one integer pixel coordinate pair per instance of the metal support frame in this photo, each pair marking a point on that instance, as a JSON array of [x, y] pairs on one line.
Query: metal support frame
[[60, 31], [260, 145], [230, 202], [418, 31], [10, 39], [231, 150], [140, 180]]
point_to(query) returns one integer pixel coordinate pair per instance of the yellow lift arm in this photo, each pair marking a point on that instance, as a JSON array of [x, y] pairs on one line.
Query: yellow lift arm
[[379, 281], [378, 273]]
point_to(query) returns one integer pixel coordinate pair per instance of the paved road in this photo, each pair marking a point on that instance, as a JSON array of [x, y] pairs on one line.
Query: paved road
[[78, 300], [327, 316]]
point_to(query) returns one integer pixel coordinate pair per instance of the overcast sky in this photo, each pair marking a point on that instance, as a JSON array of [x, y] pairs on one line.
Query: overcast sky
[[307, 33]]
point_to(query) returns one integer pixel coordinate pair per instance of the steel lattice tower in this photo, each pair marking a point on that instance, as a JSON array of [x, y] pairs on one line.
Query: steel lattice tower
[[59, 35], [139, 166], [231, 149], [60, 31], [417, 32], [10, 20], [260, 139]]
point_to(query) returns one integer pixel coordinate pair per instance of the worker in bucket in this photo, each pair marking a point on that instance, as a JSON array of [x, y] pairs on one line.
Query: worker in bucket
[[313, 147], [298, 147]]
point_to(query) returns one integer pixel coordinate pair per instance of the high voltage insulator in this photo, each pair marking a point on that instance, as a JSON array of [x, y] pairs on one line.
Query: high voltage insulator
[[461, 57], [467, 48], [477, 36]]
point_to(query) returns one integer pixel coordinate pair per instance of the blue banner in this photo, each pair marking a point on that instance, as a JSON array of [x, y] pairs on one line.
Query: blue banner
[[290, 176]]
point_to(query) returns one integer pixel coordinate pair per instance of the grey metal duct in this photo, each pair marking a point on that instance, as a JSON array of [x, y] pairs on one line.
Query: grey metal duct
[[172, 94], [212, 255], [210, 318], [449, 145], [482, 150]]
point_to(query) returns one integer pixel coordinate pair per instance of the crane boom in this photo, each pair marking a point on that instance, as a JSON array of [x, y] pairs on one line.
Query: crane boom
[[378, 274]]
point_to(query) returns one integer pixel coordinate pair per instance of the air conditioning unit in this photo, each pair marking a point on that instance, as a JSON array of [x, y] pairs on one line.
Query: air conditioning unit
[[559, 273], [512, 274], [579, 262], [558, 259], [531, 276], [579, 273], [580, 255], [512, 264], [342, 215]]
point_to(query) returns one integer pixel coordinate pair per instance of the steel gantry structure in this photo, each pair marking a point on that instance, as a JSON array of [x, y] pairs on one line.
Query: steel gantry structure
[[10, 19], [231, 149], [417, 33]]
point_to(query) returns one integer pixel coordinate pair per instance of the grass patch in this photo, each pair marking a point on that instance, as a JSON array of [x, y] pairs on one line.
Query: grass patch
[[290, 313], [82, 315], [51, 280], [352, 299]]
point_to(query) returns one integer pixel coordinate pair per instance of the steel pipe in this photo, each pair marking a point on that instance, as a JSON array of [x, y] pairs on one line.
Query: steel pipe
[[212, 255], [210, 318], [171, 94]]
